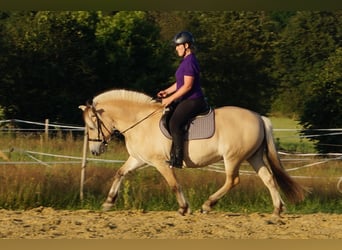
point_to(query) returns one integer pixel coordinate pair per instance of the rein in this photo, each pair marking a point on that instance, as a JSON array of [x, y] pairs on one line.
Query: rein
[[100, 123], [140, 121]]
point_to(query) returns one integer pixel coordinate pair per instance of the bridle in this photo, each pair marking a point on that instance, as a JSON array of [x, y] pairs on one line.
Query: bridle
[[100, 124], [100, 132]]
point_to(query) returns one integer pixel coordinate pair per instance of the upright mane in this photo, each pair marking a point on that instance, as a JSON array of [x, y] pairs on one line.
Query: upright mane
[[122, 94]]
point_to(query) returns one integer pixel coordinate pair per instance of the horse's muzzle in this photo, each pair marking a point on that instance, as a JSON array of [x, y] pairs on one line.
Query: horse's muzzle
[[97, 148]]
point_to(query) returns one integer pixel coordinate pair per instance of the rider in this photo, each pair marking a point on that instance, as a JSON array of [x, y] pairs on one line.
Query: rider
[[185, 95]]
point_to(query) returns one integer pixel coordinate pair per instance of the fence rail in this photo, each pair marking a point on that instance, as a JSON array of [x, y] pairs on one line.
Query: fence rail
[[57, 126], [297, 157]]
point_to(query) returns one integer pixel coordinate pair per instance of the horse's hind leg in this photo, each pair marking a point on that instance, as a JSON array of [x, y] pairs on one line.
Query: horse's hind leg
[[232, 179], [259, 165], [130, 165]]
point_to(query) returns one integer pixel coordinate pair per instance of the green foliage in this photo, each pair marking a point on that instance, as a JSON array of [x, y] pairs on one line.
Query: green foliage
[[47, 63], [51, 62], [323, 109], [307, 41], [235, 50], [133, 52], [1, 113], [283, 62]]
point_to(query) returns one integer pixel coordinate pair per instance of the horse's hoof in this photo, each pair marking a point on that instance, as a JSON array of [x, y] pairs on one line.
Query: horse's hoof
[[106, 207], [276, 216], [205, 209], [277, 211], [184, 210], [181, 212]]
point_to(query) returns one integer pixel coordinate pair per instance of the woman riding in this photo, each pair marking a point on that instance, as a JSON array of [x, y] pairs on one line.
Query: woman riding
[[185, 96]]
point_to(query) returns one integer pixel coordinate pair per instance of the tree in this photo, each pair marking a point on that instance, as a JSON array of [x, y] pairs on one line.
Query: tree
[[53, 61], [50, 62], [47, 64], [235, 49], [135, 57], [323, 109], [304, 45]]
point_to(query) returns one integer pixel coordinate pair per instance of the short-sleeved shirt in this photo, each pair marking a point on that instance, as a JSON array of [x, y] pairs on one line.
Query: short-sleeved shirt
[[189, 67]]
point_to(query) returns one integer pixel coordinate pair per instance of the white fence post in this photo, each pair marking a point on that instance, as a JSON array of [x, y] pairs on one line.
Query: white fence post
[[84, 162], [46, 129]]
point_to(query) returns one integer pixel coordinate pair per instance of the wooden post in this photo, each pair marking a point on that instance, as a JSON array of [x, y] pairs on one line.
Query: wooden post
[[46, 129], [339, 185], [84, 162]]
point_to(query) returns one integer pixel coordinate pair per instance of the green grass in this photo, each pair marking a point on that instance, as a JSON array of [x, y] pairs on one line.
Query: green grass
[[290, 140], [57, 186]]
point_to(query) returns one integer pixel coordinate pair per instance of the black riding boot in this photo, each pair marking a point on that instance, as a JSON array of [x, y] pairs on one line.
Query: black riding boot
[[172, 155], [177, 152], [178, 159]]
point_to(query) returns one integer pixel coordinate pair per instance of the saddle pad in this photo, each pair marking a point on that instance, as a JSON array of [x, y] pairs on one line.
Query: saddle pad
[[201, 127]]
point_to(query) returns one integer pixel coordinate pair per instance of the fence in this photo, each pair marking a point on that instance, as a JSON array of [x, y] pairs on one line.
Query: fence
[[48, 127]]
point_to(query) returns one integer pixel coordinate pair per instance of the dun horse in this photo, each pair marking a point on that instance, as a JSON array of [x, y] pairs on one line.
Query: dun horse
[[240, 135]]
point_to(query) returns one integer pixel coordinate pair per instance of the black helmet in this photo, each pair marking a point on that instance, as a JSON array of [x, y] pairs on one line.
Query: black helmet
[[183, 37]]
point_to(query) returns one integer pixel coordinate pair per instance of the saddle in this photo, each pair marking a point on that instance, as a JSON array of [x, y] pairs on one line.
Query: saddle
[[200, 127]]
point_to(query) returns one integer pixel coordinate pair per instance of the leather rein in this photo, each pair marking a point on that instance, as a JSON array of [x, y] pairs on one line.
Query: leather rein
[[100, 125]]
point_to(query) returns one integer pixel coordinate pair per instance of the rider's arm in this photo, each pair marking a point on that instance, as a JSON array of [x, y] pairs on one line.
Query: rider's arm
[[188, 82], [164, 93]]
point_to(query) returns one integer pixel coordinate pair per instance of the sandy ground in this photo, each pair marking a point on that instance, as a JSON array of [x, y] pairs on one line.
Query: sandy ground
[[47, 223]]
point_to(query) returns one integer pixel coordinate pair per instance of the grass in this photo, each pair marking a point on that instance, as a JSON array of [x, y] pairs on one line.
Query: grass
[[287, 137], [57, 185]]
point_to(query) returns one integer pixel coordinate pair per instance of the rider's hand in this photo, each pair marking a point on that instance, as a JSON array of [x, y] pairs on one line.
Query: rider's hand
[[167, 101], [162, 94]]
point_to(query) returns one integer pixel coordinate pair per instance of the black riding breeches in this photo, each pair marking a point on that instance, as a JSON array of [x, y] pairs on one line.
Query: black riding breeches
[[183, 112]]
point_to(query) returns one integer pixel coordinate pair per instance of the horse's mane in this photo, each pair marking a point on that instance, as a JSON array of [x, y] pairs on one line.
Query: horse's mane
[[122, 94]]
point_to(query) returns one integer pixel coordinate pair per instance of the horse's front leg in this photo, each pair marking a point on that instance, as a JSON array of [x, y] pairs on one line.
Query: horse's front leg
[[170, 178], [130, 165]]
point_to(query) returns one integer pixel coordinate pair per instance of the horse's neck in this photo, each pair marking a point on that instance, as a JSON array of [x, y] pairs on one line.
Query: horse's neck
[[125, 115]]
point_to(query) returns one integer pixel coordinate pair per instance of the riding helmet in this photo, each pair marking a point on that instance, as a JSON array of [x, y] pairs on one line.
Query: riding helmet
[[183, 37]]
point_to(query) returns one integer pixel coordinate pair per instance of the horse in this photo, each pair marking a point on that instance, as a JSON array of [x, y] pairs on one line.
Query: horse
[[240, 135]]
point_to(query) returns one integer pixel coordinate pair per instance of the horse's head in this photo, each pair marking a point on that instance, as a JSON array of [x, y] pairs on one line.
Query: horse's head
[[99, 130], [112, 111]]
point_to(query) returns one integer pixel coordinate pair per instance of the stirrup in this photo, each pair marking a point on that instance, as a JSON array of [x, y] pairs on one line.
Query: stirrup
[[177, 166], [172, 164]]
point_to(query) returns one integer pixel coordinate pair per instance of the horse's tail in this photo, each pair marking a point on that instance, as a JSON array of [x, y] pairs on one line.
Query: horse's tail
[[292, 190]]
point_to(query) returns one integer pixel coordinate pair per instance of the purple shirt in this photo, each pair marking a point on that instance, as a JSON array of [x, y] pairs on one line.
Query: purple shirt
[[189, 67]]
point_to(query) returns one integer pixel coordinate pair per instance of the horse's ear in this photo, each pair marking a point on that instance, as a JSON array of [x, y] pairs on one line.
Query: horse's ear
[[89, 103], [83, 107]]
